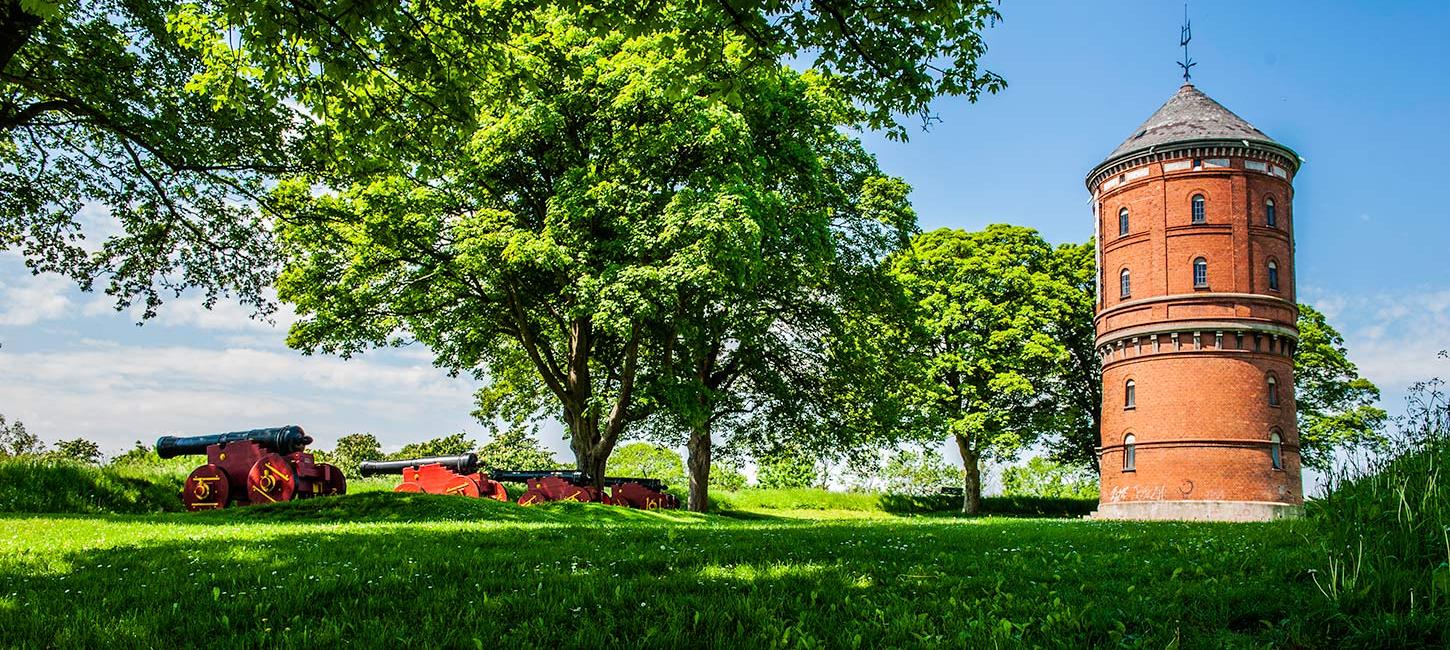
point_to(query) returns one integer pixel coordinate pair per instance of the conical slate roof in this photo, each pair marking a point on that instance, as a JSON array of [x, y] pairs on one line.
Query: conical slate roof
[[1190, 115]]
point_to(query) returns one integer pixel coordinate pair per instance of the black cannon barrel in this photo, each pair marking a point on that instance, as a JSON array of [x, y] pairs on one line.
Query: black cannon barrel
[[462, 463], [575, 477], [283, 440]]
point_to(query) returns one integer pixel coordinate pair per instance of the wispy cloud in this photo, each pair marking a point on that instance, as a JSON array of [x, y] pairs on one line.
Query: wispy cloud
[[28, 299], [1393, 337]]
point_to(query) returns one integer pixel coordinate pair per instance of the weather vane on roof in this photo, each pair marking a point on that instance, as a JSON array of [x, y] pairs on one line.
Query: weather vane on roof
[[1185, 36]]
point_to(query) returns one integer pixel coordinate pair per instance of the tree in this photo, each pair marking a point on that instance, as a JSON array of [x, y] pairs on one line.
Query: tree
[[786, 468], [514, 448], [1335, 405], [102, 117], [542, 230], [726, 476], [644, 460], [919, 472], [80, 449], [1042, 477], [1072, 407], [978, 349], [451, 445], [352, 450], [16, 441]]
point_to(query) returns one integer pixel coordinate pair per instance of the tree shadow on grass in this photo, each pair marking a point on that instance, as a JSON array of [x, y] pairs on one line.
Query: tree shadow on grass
[[589, 582]]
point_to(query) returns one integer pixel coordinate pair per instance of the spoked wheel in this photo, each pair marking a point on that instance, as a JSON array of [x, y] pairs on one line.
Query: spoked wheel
[[207, 488], [336, 483], [492, 489], [271, 480]]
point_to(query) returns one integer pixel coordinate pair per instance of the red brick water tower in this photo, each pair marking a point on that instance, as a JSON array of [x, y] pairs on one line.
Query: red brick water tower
[[1196, 319]]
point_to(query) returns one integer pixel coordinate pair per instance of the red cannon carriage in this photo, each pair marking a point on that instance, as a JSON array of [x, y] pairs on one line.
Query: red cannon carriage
[[247, 467], [460, 475], [439, 475]]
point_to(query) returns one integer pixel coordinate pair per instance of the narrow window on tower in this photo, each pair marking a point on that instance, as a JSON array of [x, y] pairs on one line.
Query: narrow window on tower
[[1276, 450], [1198, 212], [1273, 391], [1200, 273], [1271, 215], [1122, 222], [1130, 395], [1126, 284], [1130, 452], [1273, 276]]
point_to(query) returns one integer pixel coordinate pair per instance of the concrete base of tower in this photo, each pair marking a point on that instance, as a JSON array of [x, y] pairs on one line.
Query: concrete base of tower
[[1198, 510]]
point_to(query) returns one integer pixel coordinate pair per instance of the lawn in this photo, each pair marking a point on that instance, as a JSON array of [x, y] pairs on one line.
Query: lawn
[[388, 570]]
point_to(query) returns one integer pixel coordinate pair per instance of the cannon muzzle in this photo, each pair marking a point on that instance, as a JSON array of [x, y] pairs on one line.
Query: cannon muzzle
[[461, 464], [282, 440]]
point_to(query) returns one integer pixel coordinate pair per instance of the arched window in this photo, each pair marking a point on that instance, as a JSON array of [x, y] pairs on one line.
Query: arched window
[[1198, 215], [1273, 391], [1122, 222], [1125, 284], [1130, 395], [1271, 214], [1130, 453], [1200, 273], [1273, 275], [1276, 450]]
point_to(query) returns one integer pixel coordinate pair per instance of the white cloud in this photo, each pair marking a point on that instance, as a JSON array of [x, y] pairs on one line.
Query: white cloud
[[1394, 338], [28, 299], [115, 394]]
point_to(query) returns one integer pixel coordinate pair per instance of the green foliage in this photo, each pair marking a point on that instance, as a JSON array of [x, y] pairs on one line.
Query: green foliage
[[514, 448], [1041, 477], [16, 441], [726, 476], [1335, 406], [101, 120], [79, 450], [1071, 410], [451, 445], [352, 450], [976, 349], [1384, 539], [786, 468], [644, 460], [919, 472]]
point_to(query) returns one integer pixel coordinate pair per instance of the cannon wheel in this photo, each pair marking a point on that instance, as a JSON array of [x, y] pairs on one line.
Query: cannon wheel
[[271, 480], [207, 488], [336, 483], [493, 490]]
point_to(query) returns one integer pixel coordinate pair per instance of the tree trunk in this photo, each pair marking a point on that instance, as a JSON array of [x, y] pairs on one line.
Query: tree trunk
[[972, 484], [699, 465], [16, 26]]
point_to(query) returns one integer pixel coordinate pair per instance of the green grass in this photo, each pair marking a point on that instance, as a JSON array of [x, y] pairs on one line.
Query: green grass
[[774, 568], [388, 570]]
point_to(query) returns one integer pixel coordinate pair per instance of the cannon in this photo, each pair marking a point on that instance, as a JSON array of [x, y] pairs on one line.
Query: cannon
[[460, 475], [247, 467], [573, 485], [439, 475]]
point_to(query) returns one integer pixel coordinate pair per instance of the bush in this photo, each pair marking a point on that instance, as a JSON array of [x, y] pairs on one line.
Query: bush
[[1049, 479], [919, 472]]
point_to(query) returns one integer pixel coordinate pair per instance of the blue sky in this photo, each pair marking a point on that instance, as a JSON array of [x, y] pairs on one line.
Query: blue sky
[[1358, 89]]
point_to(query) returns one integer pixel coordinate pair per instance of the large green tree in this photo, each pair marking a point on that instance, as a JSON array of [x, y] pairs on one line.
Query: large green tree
[[1071, 413], [102, 120], [539, 202], [1336, 406], [979, 349]]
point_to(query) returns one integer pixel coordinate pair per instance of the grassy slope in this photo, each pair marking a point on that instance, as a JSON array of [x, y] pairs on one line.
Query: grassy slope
[[392, 570]]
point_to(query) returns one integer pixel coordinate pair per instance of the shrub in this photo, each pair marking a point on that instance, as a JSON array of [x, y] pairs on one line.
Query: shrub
[[1049, 479]]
